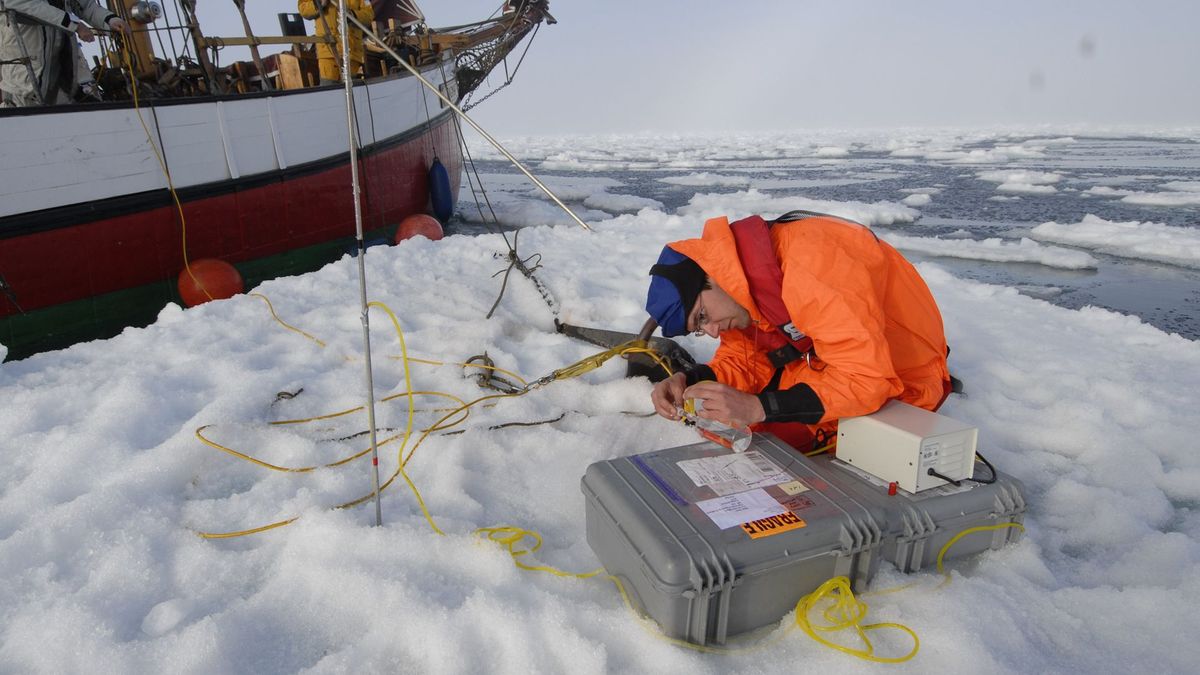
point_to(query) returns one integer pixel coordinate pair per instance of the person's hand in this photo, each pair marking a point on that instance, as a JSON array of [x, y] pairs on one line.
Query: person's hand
[[668, 396], [84, 33], [723, 403], [118, 25]]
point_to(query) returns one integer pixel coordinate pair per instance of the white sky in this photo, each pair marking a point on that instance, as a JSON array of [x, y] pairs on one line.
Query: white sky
[[633, 65]]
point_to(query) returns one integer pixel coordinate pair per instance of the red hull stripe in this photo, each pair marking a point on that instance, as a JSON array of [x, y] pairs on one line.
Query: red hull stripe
[[243, 220], [66, 216]]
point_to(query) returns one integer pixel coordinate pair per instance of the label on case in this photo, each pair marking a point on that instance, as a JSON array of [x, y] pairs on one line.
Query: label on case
[[773, 525]]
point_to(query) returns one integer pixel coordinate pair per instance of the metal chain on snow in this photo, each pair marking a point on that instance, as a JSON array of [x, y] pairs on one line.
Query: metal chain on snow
[[487, 377], [522, 265]]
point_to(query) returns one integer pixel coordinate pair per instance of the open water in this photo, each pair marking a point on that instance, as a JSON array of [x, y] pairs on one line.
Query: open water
[[965, 206]]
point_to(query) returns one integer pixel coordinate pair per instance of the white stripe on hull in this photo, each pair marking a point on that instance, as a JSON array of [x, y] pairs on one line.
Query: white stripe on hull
[[69, 156]]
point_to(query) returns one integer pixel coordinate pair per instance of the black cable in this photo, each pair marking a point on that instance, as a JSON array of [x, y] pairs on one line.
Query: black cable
[[991, 468], [948, 479], [987, 481]]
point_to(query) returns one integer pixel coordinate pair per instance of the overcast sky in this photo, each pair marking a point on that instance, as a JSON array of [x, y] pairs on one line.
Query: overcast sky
[[680, 65]]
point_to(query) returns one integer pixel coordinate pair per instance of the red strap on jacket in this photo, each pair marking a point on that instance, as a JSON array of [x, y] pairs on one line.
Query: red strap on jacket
[[757, 256]]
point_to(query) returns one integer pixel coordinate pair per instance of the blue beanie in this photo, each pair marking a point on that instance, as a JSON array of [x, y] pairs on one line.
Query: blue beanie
[[675, 283]]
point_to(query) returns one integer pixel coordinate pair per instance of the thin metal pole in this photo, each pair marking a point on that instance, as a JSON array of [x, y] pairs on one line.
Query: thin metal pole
[[455, 108], [362, 251]]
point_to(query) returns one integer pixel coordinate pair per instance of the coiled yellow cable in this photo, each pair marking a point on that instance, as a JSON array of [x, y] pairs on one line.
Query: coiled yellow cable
[[446, 421]]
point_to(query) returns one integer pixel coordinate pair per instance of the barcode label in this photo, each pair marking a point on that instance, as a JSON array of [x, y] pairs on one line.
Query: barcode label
[[762, 463]]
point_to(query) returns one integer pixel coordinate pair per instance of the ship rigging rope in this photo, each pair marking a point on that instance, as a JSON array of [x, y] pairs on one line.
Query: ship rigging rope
[[514, 259], [508, 76], [403, 62]]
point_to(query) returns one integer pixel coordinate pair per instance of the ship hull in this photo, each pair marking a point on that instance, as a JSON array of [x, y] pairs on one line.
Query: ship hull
[[263, 183]]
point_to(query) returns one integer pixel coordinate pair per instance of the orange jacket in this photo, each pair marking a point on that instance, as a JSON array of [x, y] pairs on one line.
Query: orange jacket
[[876, 329]]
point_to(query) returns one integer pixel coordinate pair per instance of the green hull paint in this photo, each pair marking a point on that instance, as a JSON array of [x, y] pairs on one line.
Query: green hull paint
[[104, 316]]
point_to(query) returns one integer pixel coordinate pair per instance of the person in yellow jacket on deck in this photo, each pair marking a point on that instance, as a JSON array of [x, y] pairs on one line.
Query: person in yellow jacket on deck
[[325, 14], [818, 320]]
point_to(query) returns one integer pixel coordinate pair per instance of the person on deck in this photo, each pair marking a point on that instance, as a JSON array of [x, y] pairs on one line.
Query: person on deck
[[325, 14], [44, 31], [818, 319]]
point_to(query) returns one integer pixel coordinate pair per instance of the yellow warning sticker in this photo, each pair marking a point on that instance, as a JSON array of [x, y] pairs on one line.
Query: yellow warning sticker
[[766, 527], [794, 487]]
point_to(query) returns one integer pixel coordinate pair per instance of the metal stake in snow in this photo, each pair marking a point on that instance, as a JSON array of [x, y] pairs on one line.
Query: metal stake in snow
[[404, 62], [362, 251]]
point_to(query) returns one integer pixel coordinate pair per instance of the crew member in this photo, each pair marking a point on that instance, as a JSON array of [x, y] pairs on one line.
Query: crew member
[[43, 32], [324, 13], [818, 319]]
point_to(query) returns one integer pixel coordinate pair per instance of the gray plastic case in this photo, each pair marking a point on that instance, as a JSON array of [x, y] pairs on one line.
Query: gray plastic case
[[919, 525], [702, 583]]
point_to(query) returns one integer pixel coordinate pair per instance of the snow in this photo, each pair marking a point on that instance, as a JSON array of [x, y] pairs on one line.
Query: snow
[[618, 203], [1174, 193], [918, 199], [1022, 182], [707, 179], [104, 482], [831, 151], [1146, 241], [997, 250], [1027, 177], [709, 152], [748, 202]]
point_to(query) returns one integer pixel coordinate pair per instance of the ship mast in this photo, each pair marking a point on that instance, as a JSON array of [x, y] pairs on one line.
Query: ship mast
[[137, 41]]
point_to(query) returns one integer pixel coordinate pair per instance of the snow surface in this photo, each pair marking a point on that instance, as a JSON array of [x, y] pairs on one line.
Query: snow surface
[[104, 483], [1146, 241], [1174, 193], [1022, 182], [707, 179], [997, 250], [713, 151], [918, 199]]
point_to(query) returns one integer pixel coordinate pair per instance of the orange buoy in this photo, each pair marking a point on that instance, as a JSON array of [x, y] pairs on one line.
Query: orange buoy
[[419, 224], [209, 279]]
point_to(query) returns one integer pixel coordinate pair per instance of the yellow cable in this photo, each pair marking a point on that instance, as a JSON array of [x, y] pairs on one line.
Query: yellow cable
[[509, 536], [444, 422], [843, 611], [342, 413], [285, 324], [953, 540], [162, 164], [846, 611], [942, 554]]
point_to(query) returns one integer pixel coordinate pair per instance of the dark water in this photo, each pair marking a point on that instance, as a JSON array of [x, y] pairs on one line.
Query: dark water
[[1163, 295]]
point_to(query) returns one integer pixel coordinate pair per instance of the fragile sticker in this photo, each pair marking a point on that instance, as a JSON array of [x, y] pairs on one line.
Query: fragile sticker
[[766, 527]]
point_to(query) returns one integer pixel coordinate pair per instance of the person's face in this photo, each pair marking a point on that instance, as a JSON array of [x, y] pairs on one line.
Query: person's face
[[715, 311]]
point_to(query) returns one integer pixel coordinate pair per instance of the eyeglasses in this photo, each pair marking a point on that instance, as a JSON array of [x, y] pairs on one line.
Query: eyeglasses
[[701, 321]]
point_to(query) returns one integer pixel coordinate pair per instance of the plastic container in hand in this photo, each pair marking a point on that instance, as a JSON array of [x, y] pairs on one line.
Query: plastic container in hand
[[734, 438]]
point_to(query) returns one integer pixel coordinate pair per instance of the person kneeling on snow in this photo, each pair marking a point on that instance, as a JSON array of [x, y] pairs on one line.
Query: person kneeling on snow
[[818, 319]]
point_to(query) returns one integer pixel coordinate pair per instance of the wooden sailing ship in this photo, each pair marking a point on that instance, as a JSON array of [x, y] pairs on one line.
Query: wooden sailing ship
[[257, 153]]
